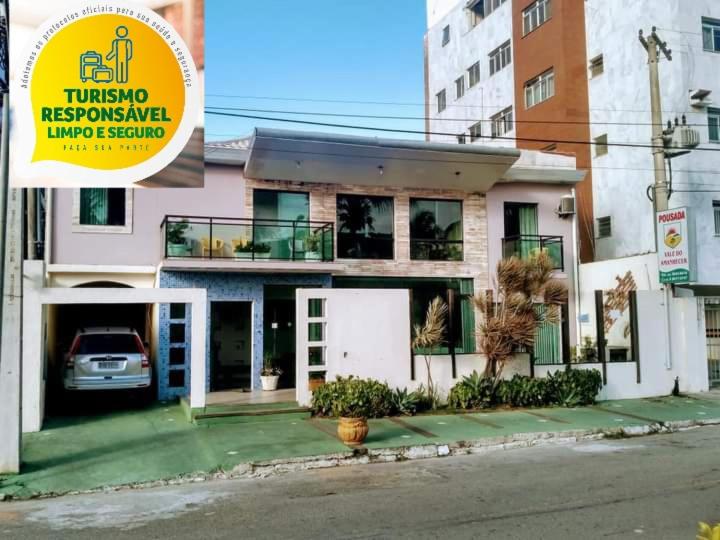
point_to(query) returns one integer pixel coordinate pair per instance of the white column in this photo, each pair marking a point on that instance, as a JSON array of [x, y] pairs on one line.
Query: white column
[[198, 333], [33, 361], [11, 342]]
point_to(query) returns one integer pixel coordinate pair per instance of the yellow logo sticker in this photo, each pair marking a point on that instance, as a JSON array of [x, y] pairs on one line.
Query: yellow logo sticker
[[672, 236], [107, 95]]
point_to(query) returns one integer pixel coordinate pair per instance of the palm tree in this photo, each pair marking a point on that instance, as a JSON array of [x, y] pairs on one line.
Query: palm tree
[[511, 321], [429, 336]]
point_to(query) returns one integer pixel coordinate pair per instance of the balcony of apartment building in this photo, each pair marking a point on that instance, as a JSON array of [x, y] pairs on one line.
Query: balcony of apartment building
[[525, 246], [249, 244], [522, 236]]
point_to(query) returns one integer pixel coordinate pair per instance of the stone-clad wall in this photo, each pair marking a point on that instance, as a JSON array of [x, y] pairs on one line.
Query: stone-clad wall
[[220, 286], [323, 208]]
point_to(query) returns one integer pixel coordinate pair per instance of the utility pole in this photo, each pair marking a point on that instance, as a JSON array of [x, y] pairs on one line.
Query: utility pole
[[660, 189]]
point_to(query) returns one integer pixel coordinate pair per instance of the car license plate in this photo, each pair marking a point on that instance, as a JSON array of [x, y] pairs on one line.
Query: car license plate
[[108, 365]]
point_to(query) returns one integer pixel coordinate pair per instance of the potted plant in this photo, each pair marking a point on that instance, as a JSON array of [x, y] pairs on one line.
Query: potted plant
[[270, 374], [262, 251], [243, 250], [312, 247], [352, 407], [175, 238]]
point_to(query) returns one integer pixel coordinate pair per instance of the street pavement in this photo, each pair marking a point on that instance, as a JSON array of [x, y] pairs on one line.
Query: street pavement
[[127, 447], [655, 487]]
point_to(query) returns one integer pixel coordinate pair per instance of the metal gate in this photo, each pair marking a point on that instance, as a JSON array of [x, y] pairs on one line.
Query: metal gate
[[712, 332]]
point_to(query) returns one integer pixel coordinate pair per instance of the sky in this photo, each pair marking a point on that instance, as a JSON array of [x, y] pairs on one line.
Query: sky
[[351, 50]]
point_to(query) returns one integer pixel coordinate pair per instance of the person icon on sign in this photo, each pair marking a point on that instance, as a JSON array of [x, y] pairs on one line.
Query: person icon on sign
[[122, 52]]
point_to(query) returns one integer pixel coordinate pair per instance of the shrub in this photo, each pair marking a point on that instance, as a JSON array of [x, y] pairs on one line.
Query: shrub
[[523, 391], [404, 402], [566, 388], [474, 391], [574, 387], [353, 397]]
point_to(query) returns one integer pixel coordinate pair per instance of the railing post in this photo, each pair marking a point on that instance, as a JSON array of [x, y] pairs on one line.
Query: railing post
[[211, 239], [294, 236], [165, 224], [252, 251]]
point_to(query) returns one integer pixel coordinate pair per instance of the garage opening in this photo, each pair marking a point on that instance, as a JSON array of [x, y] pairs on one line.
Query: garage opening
[[65, 321]]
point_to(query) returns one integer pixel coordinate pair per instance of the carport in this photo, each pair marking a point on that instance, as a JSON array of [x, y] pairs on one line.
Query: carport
[[64, 320], [69, 300]]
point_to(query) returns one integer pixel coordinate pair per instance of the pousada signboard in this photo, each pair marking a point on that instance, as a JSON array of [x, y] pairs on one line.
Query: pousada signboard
[[675, 260], [106, 94]]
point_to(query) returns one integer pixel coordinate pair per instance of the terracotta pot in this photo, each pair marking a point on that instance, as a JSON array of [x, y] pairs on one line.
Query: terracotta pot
[[314, 384], [352, 430]]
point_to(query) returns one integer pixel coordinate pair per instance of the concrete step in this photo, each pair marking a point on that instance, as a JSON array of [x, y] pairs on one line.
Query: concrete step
[[253, 417], [245, 413]]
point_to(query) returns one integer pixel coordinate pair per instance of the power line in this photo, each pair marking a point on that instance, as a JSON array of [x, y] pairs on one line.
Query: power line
[[392, 117], [405, 103], [417, 132]]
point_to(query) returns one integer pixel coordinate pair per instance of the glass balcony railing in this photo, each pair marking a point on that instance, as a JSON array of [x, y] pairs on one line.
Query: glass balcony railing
[[527, 245], [247, 239]]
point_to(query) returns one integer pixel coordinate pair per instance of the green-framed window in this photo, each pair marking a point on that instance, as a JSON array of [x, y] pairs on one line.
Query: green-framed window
[[102, 206], [423, 291]]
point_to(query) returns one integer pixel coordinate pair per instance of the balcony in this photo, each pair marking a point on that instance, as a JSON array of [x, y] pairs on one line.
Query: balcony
[[527, 245], [246, 240]]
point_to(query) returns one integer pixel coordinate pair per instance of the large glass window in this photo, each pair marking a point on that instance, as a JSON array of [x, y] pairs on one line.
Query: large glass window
[[436, 230], [364, 227], [102, 206], [281, 205]]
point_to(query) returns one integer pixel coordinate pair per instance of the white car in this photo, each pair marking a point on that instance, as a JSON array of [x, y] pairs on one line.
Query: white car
[[107, 358]]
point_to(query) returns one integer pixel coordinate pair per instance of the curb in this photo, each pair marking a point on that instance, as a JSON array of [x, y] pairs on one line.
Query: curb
[[366, 456]]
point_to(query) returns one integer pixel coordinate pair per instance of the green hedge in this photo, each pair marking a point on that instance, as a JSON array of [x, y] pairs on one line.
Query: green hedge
[[368, 398], [565, 388]]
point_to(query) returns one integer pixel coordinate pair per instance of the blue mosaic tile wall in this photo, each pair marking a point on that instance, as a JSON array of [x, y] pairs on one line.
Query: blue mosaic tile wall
[[220, 286]]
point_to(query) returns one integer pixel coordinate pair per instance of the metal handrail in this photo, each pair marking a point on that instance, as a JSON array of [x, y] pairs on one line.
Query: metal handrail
[[542, 240], [314, 227], [251, 220]]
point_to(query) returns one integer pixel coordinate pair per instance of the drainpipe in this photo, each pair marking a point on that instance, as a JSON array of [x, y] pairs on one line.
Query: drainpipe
[[576, 276]]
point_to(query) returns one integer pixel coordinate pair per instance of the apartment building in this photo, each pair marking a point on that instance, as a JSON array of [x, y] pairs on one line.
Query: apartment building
[[527, 73], [210, 276], [536, 71]]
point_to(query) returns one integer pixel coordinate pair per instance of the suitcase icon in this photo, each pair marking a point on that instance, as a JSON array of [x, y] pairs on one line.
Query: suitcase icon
[[92, 68], [102, 74]]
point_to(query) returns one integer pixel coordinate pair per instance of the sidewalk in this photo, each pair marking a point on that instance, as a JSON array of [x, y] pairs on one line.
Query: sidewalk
[[158, 444]]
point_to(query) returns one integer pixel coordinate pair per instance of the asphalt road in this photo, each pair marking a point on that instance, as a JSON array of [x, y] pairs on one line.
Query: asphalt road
[[653, 487]]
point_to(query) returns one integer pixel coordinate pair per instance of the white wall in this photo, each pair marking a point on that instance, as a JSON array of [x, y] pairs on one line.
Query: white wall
[[602, 276], [368, 336]]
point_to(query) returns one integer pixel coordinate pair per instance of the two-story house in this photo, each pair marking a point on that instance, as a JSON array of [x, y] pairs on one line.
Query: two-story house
[[284, 210]]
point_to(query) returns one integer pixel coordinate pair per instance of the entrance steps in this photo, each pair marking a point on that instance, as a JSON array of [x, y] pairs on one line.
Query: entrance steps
[[245, 413]]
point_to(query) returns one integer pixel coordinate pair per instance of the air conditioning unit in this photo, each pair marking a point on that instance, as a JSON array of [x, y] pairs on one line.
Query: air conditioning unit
[[700, 99], [567, 206]]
